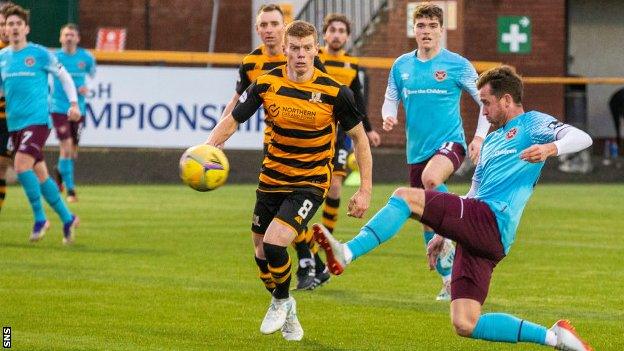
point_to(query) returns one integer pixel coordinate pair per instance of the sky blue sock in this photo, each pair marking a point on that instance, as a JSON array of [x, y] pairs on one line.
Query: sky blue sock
[[30, 183], [383, 226], [66, 168], [442, 188], [51, 193], [507, 328]]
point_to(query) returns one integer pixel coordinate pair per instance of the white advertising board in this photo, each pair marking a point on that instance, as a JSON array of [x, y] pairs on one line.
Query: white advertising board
[[162, 107]]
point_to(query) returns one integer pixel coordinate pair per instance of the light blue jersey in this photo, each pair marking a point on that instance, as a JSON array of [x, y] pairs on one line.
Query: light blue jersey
[[79, 65], [24, 76], [505, 182], [430, 92]]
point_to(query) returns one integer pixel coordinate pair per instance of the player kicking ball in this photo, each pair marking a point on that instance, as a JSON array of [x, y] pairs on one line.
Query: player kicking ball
[[484, 222]]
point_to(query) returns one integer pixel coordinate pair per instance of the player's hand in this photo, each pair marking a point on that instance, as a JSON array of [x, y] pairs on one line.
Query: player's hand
[[435, 246], [73, 114], [539, 153], [474, 149], [83, 90], [373, 138], [389, 123], [211, 142], [358, 204]]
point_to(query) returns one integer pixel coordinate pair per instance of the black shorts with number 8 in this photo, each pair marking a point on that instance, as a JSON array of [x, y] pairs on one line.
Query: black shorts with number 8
[[294, 209]]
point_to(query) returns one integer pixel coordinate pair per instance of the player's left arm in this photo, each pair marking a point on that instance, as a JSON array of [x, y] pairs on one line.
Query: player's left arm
[[349, 117], [468, 82], [360, 102], [553, 138], [53, 66]]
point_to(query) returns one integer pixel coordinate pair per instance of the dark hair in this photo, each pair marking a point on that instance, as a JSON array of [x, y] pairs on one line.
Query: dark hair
[[269, 8], [71, 26], [336, 17], [430, 11], [503, 80], [16, 10], [300, 29]]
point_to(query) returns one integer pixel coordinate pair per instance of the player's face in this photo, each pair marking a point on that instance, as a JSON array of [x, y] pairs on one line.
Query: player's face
[[494, 108], [16, 29], [336, 35], [300, 53], [270, 28], [428, 33], [3, 36], [69, 38]]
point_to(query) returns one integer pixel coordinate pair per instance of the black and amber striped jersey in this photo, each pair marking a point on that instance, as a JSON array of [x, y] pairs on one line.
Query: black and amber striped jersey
[[255, 64], [345, 68], [303, 119]]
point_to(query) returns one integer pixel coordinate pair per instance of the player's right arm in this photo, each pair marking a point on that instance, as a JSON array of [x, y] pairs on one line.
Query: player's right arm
[[350, 118], [390, 107], [248, 104]]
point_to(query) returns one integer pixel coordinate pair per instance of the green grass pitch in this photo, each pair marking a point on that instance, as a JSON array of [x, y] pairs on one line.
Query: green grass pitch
[[167, 268]]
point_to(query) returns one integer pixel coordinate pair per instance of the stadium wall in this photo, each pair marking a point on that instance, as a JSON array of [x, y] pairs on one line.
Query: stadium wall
[[149, 166], [176, 25]]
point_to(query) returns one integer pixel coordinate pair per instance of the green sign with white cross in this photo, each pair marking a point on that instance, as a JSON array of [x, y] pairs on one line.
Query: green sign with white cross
[[514, 34]]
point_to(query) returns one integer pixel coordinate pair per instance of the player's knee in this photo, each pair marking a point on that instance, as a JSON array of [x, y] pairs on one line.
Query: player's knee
[[463, 327], [402, 192], [335, 188]]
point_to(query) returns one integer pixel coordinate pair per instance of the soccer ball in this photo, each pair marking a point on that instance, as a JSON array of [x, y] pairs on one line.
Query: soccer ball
[[204, 167]]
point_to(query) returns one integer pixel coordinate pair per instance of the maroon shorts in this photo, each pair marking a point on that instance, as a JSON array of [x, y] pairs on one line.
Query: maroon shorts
[[453, 151], [66, 129], [472, 224], [30, 140]]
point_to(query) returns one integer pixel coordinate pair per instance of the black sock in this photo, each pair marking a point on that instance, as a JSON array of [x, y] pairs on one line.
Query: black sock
[[2, 192], [330, 213], [265, 275], [279, 266]]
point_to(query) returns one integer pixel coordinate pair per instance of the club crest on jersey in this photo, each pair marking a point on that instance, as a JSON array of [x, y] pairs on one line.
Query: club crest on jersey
[[511, 133], [439, 75], [82, 64], [316, 97], [29, 61]]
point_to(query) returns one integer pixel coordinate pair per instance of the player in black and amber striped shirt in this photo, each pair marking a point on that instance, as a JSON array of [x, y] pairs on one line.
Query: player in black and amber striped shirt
[[5, 154], [270, 28], [304, 107]]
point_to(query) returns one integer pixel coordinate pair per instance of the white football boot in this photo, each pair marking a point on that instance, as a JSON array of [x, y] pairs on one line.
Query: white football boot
[[292, 330], [275, 317]]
